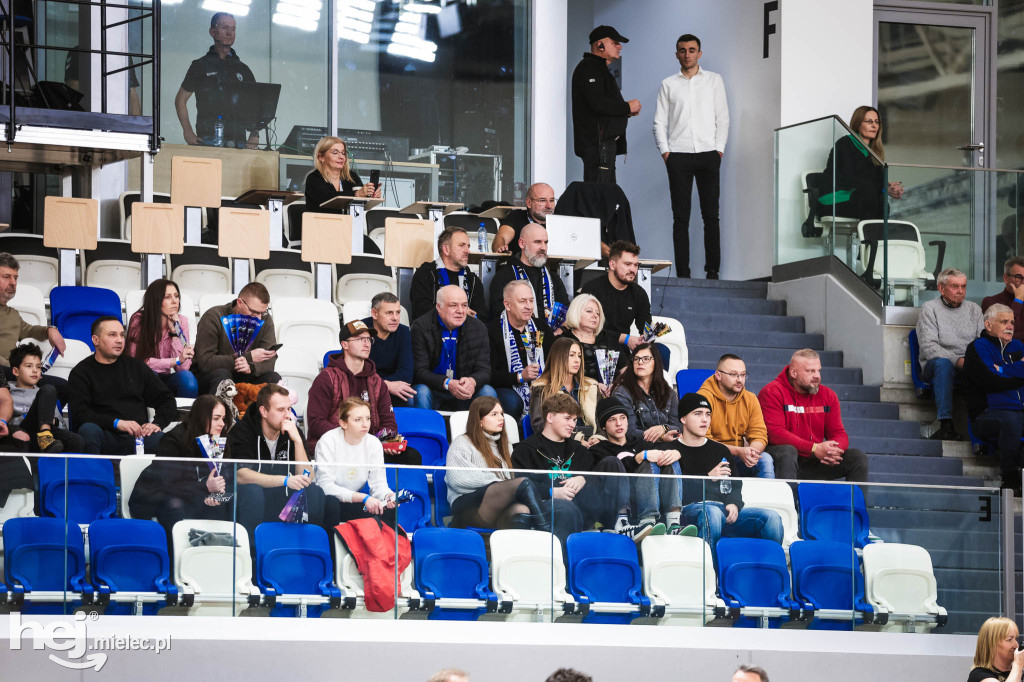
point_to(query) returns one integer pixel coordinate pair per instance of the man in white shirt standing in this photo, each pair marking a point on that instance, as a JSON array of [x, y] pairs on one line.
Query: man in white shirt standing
[[691, 125]]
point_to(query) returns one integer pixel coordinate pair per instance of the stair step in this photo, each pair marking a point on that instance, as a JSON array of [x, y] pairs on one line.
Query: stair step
[[688, 283], [954, 579], [764, 373], [969, 600], [924, 479], [896, 464], [855, 409], [897, 446], [718, 321], [959, 521], [856, 392], [692, 293], [938, 540], [779, 357], [876, 427], [738, 342], [940, 500], [678, 306]]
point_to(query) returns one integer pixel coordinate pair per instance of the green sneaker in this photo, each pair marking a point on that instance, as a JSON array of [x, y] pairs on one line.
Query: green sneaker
[[689, 531], [659, 529]]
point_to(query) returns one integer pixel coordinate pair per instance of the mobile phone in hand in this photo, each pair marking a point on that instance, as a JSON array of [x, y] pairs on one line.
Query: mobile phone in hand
[[374, 177], [276, 347]]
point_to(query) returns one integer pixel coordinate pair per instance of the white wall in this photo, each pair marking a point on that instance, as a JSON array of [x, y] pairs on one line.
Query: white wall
[[548, 86]]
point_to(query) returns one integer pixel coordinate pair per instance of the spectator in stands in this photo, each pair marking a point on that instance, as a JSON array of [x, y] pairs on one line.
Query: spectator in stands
[[482, 490], [736, 419], [996, 656], [716, 506], [174, 490], [449, 675], [268, 436], [391, 352], [451, 267], [214, 358], [159, 336], [584, 322], [531, 266], [602, 500], [944, 329], [1013, 295], [651, 401], [451, 364], [514, 366], [333, 176], [540, 203], [806, 438], [13, 328], [349, 374], [35, 406], [625, 302], [568, 675], [750, 673], [564, 374], [110, 393], [994, 375], [349, 457]]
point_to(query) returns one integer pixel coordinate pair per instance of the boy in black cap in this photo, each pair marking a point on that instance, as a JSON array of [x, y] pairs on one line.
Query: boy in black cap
[[716, 506], [599, 114]]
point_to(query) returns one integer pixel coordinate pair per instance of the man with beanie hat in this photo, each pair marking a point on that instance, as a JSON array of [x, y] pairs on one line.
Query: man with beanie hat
[[716, 506], [659, 491]]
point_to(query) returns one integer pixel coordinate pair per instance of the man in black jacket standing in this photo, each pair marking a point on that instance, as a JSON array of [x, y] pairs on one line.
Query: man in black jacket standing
[[599, 114]]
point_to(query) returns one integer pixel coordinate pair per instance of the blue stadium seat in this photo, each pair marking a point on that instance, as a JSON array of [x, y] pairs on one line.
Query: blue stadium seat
[[130, 555], [922, 387], [690, 380], [827, 575], [74, 309], [426, 431], [89, 486], [753, 573], [826, 513], [328, 355], [416, 513], [603, 567], [451, 563], [441, 506], [294, 560], [45, 555], [527, 426]]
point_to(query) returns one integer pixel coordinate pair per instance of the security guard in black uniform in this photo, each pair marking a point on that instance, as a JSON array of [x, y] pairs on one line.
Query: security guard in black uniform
[[599, 114], [207, 77]]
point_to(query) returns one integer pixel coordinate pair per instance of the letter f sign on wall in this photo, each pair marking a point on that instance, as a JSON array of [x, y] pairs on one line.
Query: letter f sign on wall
[[769, 28]]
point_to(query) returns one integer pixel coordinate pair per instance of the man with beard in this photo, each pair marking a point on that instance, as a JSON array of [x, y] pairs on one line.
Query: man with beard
[[624, 301], [530, 266], [540, 203], [805, 428], [451, 267]]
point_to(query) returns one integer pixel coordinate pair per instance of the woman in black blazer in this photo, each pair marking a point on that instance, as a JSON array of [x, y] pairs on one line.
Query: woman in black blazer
[[332, 176]]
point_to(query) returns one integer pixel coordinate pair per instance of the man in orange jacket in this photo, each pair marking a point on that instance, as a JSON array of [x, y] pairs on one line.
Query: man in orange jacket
[[736, 419]]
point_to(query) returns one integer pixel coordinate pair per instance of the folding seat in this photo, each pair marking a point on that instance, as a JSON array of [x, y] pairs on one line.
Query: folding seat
[[45, 565], [199, 270], [125, 202], [362, 279], [457, 426], [74, 309], [690, 380], [38, 266], [777, 496], [30, 304], [360, 310], [827, 577], [20, 504], [471, 223], [605, 578], [186, 309], [900, 582], [207, 301], [131, 467], [753, 576], [451, 573], [294, 569], [298, 369], [350, 580], [86, 482], [285, 274], [921, 387], [112, 265], [528, 575], [416, 513], [425, 430], [679, 572], [130, 566], [907, 261], [215, 579], [377, 216], [833, 511], [307, 323], [675, 340], [74, 352]]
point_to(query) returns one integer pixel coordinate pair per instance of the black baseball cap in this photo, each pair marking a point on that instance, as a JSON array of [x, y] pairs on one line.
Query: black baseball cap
[[606, 32]]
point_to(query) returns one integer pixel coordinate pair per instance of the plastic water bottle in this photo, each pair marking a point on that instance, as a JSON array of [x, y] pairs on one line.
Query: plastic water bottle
[[218, 132], [725, 485], [140, 446], [481, 238]]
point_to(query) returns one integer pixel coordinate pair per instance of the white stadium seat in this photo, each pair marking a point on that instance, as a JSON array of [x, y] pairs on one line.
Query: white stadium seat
[[457, 426], [218, 575], [30, 303], [778, 496], [131, 467], [899, 579], [348, 578], [527, 569], [679, 571]]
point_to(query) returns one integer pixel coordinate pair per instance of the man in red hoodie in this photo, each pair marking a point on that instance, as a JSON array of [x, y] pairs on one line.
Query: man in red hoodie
[[805, 428]]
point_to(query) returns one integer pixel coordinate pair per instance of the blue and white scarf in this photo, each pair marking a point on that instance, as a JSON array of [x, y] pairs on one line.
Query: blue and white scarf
[[520, 273], [444, 279], [515, 363]]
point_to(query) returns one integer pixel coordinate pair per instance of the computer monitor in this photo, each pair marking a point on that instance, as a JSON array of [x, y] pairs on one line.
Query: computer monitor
[[573, 237], [253, 105]]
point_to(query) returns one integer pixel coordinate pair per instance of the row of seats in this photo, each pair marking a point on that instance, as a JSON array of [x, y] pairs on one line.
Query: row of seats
[[673, 581]]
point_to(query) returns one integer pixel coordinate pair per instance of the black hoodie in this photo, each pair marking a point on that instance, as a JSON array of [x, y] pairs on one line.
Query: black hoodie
[[246, 441], [537, 452]]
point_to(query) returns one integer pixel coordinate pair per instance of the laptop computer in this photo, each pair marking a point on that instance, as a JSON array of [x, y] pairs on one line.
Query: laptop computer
[[574, 237]]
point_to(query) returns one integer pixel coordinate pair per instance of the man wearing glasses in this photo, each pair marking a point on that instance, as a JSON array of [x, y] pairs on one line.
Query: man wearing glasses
[[215, 360], [1012, 296], [736, 419]]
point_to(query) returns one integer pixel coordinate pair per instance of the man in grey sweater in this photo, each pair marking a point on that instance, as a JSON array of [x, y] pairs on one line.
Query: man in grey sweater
[[946, 327]]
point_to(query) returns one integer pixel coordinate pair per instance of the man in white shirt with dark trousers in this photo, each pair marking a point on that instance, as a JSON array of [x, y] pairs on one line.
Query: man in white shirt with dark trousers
[[691, 125]]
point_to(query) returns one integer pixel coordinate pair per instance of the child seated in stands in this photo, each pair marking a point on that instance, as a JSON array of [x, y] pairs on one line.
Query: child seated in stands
[[35, 406]]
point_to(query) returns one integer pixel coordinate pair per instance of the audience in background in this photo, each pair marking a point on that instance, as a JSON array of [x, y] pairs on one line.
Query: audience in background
[[564, 374], [451, 267], [540, 203], [517, 349], [1012, 296], [214, 358], [944, 329], [35, 413], [736, 419], [110, 393], [391, 352], [584, 322], [159, 336], [624, 301], [531, 266], [652, 402]]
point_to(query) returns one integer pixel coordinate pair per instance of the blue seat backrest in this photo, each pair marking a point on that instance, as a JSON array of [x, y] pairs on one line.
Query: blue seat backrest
[[293, 558], [753, 572], [923, 387], [527, 426], [130, 555], [414, 514], [90, 488], [441, 506], [74, 309], [328, 355], [690, 380], [832, 511], [426, 431], [603, 567], [43, 554], [450, 563], [827, 574]]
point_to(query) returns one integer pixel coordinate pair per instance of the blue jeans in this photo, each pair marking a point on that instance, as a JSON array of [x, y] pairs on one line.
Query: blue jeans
[[752, 522], [101, 441], [658, 494], [429, 400], [941, 373], [765, 468], [1006, 426], [511, 402], [183, 383]]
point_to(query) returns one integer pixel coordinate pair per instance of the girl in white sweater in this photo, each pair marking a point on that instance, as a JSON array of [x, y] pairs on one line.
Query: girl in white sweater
[[347, 459]]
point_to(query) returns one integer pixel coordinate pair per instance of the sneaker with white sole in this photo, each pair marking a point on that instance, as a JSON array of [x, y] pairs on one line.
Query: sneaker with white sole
[[637, 532], [689, 531]]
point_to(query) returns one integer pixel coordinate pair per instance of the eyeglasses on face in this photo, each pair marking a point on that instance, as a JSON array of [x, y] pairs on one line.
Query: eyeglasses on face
[[643, 359], [734, 375]]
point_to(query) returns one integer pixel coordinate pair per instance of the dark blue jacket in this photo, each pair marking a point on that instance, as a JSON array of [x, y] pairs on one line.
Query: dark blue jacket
[[994, 375]]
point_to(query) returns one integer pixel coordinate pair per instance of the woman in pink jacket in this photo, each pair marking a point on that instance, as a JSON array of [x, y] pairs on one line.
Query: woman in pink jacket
[[159, 336]]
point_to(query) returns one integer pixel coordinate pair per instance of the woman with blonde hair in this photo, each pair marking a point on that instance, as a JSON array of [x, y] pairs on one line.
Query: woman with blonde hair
[[584, 322], [996, 657], [333, 176], [564, 374]]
